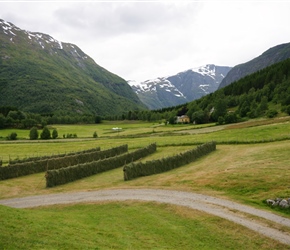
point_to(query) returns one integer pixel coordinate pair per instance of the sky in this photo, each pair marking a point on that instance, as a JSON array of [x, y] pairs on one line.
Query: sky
[[142, 40]]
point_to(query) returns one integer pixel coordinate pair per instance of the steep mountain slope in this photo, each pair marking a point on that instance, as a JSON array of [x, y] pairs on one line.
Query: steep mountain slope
[[269, 57], [180, 88], [42, 75]]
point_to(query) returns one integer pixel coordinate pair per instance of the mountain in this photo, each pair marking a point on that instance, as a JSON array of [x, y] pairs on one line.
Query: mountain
[[180, 88], [43, 75], [269, 57]]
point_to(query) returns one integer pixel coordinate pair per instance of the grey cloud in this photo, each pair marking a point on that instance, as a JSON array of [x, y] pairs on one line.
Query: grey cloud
[[113, 19]]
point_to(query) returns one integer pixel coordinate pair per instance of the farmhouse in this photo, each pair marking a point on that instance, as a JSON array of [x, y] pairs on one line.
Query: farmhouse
[[183, 119]]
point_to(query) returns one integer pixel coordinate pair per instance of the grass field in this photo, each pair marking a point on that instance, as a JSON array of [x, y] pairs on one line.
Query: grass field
[[247, 173], [124, 225]]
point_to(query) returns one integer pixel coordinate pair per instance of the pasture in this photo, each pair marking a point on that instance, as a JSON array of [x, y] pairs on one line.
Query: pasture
[[242, 169]]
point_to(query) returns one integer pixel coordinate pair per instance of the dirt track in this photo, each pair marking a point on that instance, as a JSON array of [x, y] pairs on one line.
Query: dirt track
[[229, 210]]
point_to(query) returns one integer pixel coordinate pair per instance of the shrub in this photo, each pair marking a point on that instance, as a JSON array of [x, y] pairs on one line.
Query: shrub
[[221, 120], [231, 118], [12, 136], [70, 135], [272, 113], [95, 135], [33, 134], [45, 134], [54, 134]]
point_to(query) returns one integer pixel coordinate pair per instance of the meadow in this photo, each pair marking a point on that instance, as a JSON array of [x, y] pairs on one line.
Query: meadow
[[242, 169]]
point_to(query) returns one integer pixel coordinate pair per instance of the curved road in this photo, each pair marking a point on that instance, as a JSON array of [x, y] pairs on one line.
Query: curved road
[[229, 210]]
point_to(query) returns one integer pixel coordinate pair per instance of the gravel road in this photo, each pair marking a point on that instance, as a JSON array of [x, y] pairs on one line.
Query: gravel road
[[229, 210]]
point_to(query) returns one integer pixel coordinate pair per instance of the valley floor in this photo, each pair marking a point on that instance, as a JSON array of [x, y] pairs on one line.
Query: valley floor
[[247, 216]]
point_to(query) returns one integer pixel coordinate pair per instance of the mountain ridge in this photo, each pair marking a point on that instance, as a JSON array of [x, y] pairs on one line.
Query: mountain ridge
[[271, 56], [43, 75], [183, 87]]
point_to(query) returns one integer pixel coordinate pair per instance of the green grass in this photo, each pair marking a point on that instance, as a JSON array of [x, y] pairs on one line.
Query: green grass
[[140, 134], [247, 173], [125, 225], [105, 129]]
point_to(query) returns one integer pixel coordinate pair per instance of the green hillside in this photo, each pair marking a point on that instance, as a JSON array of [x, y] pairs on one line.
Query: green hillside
[[273, 55], [42, 75], [265, 93]]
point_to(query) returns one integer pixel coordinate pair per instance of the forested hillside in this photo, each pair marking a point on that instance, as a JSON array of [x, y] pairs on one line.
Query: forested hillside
[[264, 93], [42, 75], [271, 56]]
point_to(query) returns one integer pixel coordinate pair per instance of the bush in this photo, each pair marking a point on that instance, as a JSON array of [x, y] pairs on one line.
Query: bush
[[231, 118], [54, 134], [288, 110], [33, 134], [12, 136], [70, 135], [45, 134], [95, 135], [221, 120], [272, 113]]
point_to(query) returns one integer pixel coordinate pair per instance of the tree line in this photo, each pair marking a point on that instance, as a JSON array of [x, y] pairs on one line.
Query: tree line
[[11, 117]]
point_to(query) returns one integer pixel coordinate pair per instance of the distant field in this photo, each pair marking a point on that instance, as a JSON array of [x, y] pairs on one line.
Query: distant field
[[247, 173], [137, 134], [105, 128]]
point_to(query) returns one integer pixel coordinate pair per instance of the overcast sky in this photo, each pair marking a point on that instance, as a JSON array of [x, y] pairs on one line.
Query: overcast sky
[[141, 40]]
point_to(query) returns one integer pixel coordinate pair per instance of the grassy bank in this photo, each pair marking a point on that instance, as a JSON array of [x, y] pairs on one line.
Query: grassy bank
[[125, 225]]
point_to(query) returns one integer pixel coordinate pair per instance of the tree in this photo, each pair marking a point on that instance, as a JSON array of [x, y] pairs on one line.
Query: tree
[[264, 104], [33, 134], [231, 118], [12, 136], [54, 134], [45, 134], [220, 109], [28, 123], [16, 115], [98, 119], [271, 113], [171, 120], [199, 117], [192, 108], [221, 120], [253, 113], [244, 108], [288, 109], [2, 121]]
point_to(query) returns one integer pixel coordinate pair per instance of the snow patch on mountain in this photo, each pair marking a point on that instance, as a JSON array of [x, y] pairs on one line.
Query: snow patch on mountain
[[205, 71], [183, 87], [39, 38]]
